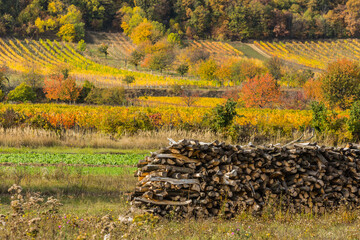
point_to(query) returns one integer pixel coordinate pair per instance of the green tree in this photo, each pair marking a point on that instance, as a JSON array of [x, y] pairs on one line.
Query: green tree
[[22, 93], [223, 115], [85, 90], [320, 119], [174, 38], [200, 20], [354, 121]]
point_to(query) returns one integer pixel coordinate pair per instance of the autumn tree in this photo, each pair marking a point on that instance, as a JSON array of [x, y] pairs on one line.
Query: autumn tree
[[32, 77], [244, 69], [352, 17], [57, 87], [130, 18], [260, 91], [72, 27], [136, 57], [142, 32], [207, 70], [313, 90], [341, 83], [160, 60], [274, 65]]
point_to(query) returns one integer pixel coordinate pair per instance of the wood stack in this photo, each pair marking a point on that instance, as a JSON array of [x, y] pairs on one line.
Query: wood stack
[[191, 178]]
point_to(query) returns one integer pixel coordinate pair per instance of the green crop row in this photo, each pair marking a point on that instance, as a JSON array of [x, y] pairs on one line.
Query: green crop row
[[93, 159]]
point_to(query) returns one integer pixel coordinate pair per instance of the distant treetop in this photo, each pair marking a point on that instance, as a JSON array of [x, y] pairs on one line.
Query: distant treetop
[[221, 20]]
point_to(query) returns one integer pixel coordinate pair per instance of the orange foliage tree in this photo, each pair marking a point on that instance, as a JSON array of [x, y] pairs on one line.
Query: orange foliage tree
[[57, 87], [260, 91], [313, 90]]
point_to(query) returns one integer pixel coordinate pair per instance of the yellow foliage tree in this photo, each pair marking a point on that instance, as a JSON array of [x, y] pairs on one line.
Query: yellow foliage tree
[[142, 33], [56, 7], [40, 24], [67, 32]]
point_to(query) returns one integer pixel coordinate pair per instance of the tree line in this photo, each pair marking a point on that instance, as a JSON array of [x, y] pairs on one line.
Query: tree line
[[221, 20]]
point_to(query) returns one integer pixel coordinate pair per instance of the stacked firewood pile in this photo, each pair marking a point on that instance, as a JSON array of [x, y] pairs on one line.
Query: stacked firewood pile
[[191, 178]]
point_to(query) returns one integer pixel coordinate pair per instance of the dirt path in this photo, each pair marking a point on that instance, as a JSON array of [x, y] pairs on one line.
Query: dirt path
[[289, 63]]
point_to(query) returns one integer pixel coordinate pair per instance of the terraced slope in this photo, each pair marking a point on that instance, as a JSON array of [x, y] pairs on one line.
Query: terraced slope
[[314, 54], [216, 49], [120, 46], [45, 55]]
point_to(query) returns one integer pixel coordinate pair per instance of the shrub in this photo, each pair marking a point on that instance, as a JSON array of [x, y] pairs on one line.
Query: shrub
[[10, 119], [174, 38], [22, 93], [296, 78], [183, 69], [81, 45], [103, 48], [94, 96], [244, 69], [223, 115], [115, 96], [128, 79]]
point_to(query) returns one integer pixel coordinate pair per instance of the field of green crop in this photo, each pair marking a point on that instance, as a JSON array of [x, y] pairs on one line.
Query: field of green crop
[[91, 159]]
